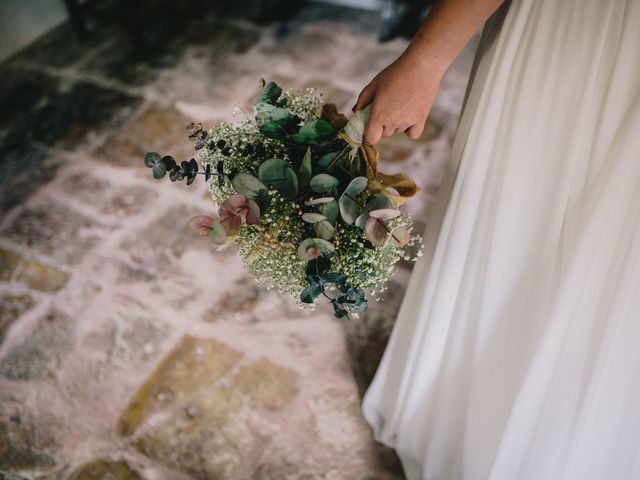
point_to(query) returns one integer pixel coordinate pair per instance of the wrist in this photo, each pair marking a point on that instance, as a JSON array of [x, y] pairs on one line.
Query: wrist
[[432, 63]]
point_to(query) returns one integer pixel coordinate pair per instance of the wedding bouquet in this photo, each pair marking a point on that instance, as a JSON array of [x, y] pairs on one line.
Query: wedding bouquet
[[299, 193]]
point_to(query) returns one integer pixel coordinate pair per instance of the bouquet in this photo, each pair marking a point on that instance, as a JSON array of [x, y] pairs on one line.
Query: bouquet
[[300, 194]]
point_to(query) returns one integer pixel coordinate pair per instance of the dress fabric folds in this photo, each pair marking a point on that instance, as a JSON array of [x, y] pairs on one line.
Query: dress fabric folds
[[516, 351]]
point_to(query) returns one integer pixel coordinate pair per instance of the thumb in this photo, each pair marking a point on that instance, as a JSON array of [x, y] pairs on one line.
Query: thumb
[[364, 98], [373, 133]]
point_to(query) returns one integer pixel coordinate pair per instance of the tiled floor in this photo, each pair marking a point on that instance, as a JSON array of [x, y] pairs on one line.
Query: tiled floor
[[132, 349]]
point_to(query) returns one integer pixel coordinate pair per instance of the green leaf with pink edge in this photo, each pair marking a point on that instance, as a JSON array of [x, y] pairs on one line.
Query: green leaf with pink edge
[[376, 228], [311, 248]]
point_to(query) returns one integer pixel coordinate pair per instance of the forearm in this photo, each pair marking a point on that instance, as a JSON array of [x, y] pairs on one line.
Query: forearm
[[447, 29]]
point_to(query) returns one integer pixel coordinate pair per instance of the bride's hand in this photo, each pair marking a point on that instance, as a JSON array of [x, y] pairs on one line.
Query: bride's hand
[[402, 96]]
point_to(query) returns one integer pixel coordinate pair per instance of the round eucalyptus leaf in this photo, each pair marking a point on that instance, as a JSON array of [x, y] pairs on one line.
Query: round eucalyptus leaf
[[277, 173], [362, 220], [325, 160], [378, 201], [319, 201], [356, 186], [324, 230], [312, 217], [248, 185], [311, 248], [399, 237], [323, 182], [159, 171], [309, 294], [334, 277], [384, 213], [314, 130], [151, 159], [331, 210]]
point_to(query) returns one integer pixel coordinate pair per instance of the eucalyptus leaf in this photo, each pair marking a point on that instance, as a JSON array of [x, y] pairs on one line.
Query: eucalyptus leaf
[[378, 201], [399, 237], [309, 294], [279, 174], [304, 172], [324, 229], [272, 129], [313, 131], [263, 107], [248, 185], [151, 159], [331, 210], [159, 171], [218, 233], [272, 91], [323, 182], [361, 220], [311, 248], [334, 277], [349, 207], [312, 217], [324, 161], [356, 186], [319, 201]]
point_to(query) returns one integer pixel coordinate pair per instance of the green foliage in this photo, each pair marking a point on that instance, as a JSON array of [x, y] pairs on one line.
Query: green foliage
[[291, 198]]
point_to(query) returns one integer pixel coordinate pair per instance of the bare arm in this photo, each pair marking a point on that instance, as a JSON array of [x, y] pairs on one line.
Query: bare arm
[[402, 94]]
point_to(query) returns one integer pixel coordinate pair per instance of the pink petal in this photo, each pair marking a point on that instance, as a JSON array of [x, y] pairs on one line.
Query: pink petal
[[375, 231], [234, 203], [231, 224], [400, 237], [253, 212], [384, 213], [217, 233], [201, 224]]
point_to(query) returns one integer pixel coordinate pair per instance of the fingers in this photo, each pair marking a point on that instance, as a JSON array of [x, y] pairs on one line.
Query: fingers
[[373, 133], [415, 131], [388, 130], [364, 98]]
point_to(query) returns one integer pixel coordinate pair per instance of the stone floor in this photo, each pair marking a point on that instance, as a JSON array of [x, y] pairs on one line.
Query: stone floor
[[132, 349]]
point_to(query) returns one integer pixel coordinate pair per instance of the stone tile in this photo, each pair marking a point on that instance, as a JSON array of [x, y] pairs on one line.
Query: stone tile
[[25, 442], [130, 335], [69, 115], [15, 267], [123, 62], [11, 308], [26, 166], [246, 302], [109, 199], [105, 469], [54, 230], [217, 434], [192, 366], [128, 201], [338, 422], [37, 355], [157, 129], [368, 337], [226, 37], [23, 91], [161, 244]]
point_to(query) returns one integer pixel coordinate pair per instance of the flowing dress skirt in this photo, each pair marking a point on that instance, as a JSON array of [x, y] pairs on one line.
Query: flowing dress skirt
[[516, 351]]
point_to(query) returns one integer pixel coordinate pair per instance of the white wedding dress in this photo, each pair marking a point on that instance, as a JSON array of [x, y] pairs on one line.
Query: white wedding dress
[[516, 351]]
